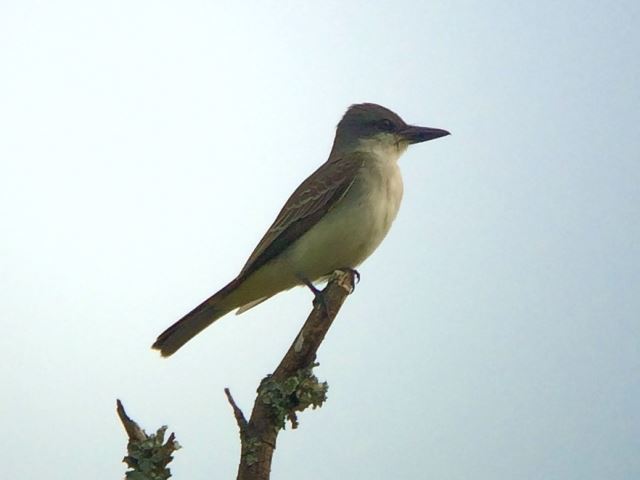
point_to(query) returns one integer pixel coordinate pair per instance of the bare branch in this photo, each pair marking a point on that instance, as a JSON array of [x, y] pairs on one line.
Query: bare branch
[[292, 387], [242, 422]]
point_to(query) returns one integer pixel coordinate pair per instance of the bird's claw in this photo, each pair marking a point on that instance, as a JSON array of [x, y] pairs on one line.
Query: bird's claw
[[318, 297], [355, 277], [319, 301]]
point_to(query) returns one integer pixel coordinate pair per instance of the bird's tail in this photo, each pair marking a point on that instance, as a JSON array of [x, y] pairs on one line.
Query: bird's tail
[[216, 306]]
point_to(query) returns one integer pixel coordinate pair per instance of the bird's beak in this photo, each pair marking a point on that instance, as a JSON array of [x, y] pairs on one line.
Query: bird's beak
[[414, 134]]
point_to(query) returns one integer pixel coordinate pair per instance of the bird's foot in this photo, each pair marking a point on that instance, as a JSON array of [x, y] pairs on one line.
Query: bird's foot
[[318, 297], [355, 276]]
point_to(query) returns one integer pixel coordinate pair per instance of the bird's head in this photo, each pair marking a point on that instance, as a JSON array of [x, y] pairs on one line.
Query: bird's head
[[369, 126]]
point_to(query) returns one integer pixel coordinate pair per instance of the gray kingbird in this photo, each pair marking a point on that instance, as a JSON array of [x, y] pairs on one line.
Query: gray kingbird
[[334, 220]]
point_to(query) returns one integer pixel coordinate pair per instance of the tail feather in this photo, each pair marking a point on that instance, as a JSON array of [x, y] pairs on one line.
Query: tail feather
[[174, 337]]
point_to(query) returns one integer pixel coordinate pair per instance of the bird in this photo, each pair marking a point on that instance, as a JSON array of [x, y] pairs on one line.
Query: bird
[[334, 220]]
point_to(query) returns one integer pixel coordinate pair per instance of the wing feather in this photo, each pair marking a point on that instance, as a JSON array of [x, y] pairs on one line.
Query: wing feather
[[318, 194]]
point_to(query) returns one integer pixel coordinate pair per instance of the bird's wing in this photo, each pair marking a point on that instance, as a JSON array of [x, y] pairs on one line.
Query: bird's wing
[[318, 194]]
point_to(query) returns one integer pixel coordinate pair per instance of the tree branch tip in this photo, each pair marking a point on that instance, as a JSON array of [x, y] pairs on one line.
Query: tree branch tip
[[134, 432], [237, 412]]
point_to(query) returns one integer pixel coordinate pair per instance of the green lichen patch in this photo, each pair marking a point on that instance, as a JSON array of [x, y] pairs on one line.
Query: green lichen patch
[[148, 458], [294, 394]]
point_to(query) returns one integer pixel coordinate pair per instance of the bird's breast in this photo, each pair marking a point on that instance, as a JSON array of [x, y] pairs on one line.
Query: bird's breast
[[378, 194], [351, 231]]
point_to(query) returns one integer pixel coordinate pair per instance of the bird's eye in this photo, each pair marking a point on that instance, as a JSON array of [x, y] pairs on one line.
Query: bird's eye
[[386, 125]]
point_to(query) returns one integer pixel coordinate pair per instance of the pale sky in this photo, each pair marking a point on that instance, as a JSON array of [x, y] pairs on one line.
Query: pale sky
[[146, 146]]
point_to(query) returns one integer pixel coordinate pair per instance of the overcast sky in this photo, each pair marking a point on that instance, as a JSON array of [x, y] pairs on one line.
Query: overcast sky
[[146, 146]]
